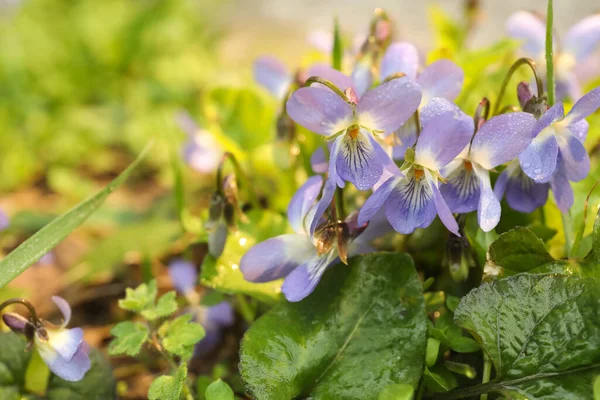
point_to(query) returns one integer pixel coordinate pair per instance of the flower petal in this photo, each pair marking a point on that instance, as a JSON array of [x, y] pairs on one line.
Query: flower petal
[[4, 220], [362, 76], [303, 280], [220, 315], [400, 57], [406, 136], [302, 201], [580, 129], [357, 161], [441, 207], [276, 257], [461, 191], [561, 188], [64, 308], [502, 139], [410, 204], [586, 105], [550, 117], [71, 370], [489, 210], [527, 27], [65, 341], [442, 79], [318, 162], [319, 110], [270, 73], [376, 201], [446, 132], [316, 212], [339, 79], [583, 37], [389, 105], [538, 160], [574, 155], [184, 275], [523, 194], [212, 337]]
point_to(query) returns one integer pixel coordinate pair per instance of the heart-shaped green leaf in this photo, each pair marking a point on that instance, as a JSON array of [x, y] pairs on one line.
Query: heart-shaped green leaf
[[363, 329]]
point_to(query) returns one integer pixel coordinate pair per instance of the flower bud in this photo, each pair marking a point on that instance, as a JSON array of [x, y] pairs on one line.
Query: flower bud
[[458, 258], [524, 93]]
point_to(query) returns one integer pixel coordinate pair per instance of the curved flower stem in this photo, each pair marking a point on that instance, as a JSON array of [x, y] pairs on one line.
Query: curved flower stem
[[482, 113], [340, 209], [417, 117], [241, 176], [509, 74], [550, 55], [487, 371], [395, 75], [330, 85], [33, 315]]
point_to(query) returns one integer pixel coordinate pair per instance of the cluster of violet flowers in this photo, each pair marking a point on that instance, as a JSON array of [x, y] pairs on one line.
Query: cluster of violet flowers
[[419, 154]]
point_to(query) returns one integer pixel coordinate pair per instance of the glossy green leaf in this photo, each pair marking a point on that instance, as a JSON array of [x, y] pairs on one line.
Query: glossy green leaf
[[366, 316], [13, 365], [397, 391], [439, 379], [165, 306], [594, 254], [140, 298], [129, 338], [168, 387], [219, 390], [451, 335], [180, 335], [520, 250], [542, 333], [50, 235]]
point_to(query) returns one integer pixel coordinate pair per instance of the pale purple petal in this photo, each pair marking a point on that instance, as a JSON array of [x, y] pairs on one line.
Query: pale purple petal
[[336, 77], [302, 281], [217, 238], [400, 57], [46, 259], [488, 211], [378, 226], [446, 132], [187, 124], [442, 208], [524, 93], [528, 28], [202, 153], [442, 79], [71, 370], [574, 156], [272, 75], [376, 201], [64, 308], [410, 205], [316, 213], [550, 117], [561, 188], [66, 342], [583, 37], [4, 220], [538, 160], [502, 139], [318, 162], [362, 76], [568, 86], [184, 275], [523, 194], [389, 105], [586, 105], [212, 337], [220, 315], [580, 129], [357, 161], [319, 110], [406, 136], [302, 201], [333, 174], [461, 191], [276, 257]]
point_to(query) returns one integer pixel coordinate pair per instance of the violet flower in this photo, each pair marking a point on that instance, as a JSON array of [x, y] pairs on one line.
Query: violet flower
[[442, 78], [63, 350], [560, 137], [523, 194], [302, 257], [353, 124], [497, 141], [577, 48], [4, 220], [201, 150], [214, 319], [412, 198]]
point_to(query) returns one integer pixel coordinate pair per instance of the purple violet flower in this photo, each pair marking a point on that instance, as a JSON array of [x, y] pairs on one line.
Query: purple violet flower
[[577, 48], [355, 155], [412, 198], [523, 194], [302, 257], [214, 319], [201, 151], [442, 78], [4, 220], [497, 141], [558, 144]]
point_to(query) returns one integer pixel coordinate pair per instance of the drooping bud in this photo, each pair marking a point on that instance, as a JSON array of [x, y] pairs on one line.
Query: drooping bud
[[524, 93], [15, 322], [458, 258], [215, 211], [529, 102]]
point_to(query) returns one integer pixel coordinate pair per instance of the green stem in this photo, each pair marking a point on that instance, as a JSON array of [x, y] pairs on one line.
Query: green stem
[[567, 229], [241, 176], [340, 210], [550, 55], [33, 315], [487, 371], [336, 57], [245, 308], [509, 74], [330, 85]]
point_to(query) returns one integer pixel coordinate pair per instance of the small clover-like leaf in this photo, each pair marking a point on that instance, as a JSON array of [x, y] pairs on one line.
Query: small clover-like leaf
[[219, 390], [140, 298], [129, 338], [165, 306], [168, 387], [180, 335]]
